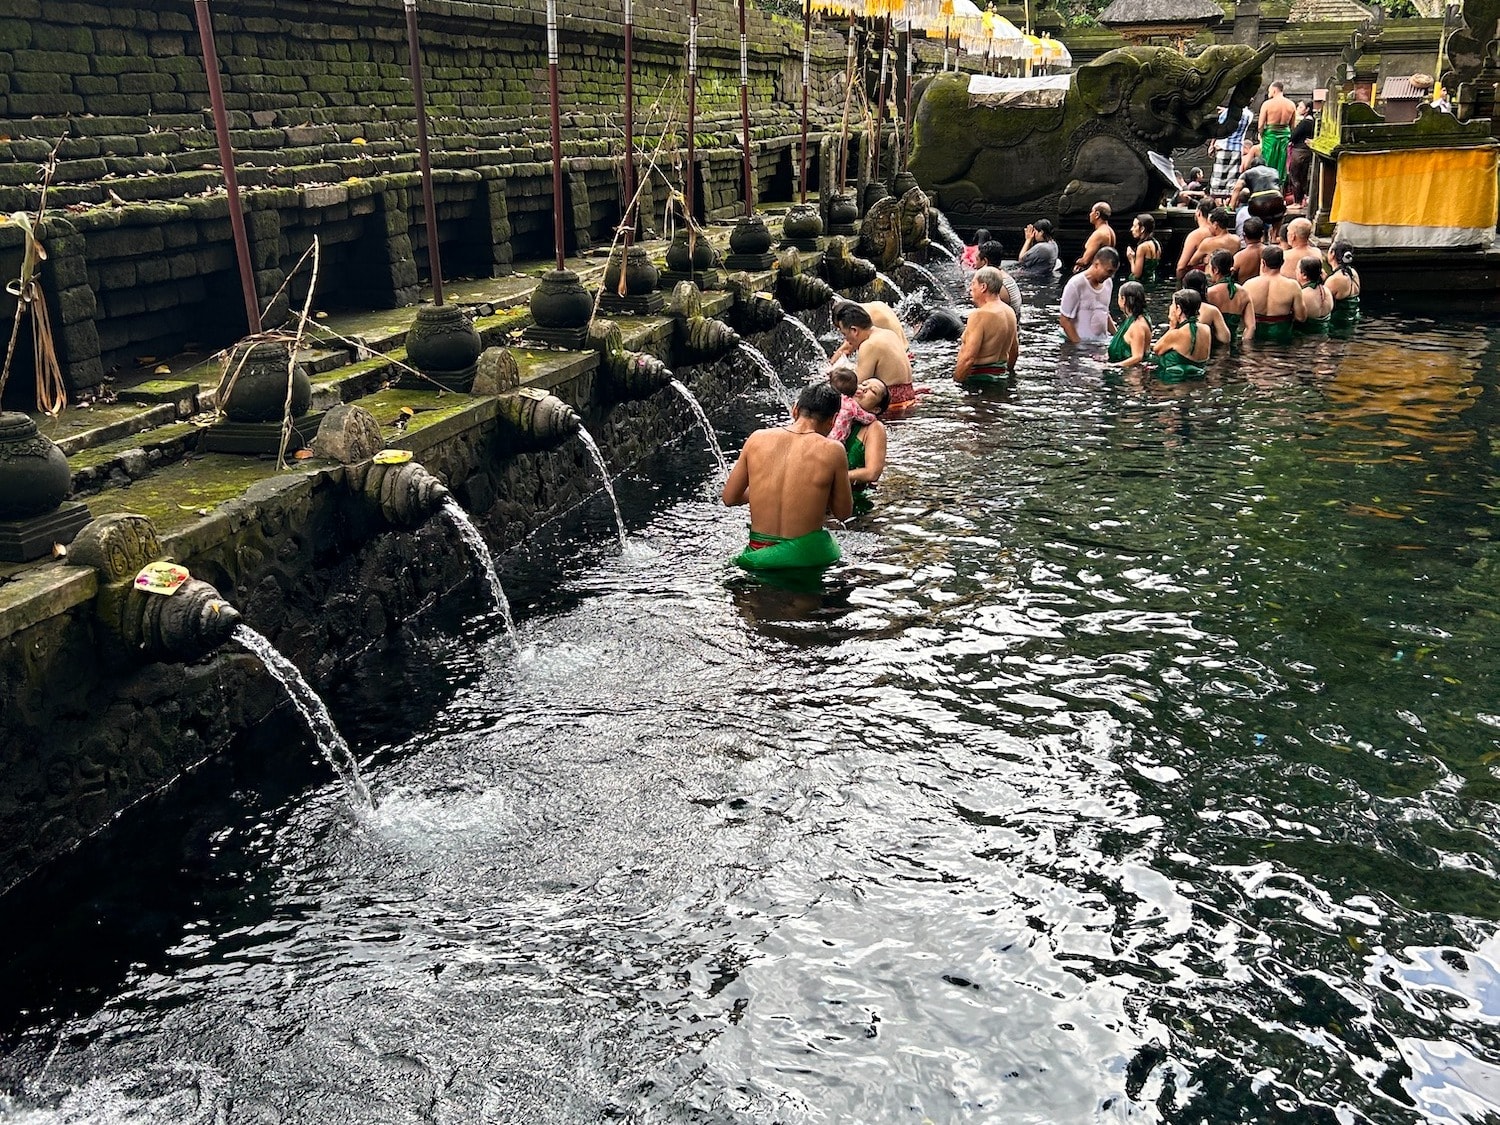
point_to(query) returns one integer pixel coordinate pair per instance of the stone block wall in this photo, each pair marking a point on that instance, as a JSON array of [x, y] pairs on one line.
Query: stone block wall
[[323, 129]]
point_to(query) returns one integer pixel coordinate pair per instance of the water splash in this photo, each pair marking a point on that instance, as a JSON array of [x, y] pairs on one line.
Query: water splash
[[481, 551], [593, 447], [942, 251], [708, 429], [886, 280], [763, 365], [312, 709], [816, 354], [946, 234], [926, 277]]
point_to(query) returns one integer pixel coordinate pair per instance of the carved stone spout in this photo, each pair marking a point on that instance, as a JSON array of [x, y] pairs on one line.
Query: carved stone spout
[[531, 420], [185, 625], [843, 270], [624, 375], [754, 310], [699, 339], [798, 291], [406, 494]]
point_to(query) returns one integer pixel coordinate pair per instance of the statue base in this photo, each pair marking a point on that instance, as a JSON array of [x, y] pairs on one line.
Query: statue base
[[261, 438], [632, 304], [703, 279], [750, 261], [811, 245], [843, 228], [25, 540], [573, 339], [456, 381]]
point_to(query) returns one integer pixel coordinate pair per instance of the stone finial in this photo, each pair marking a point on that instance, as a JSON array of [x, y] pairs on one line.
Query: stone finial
[[605, 338], [686, 301], [117, 546], [499, 373], [348, 434]]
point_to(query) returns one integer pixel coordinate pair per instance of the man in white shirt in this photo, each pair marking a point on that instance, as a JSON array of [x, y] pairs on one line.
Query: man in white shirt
[[1086, 298]]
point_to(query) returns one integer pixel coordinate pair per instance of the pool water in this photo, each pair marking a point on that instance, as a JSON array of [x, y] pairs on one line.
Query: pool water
[[1137, 764]]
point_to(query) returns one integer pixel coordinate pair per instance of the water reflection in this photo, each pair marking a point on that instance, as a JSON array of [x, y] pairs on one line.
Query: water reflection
[[1138, 763]]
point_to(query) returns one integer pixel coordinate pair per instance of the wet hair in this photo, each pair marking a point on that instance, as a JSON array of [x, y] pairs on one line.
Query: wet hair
[[844, 379], [1341, 254], [884, 402], [1272, 257], [1277, 86], [1108, 255], [1222, 219], [1196, 174], [819, 401], [1043, 227], [1102, 209], [1147, 223], [1197, 281], [1188, 302], [1255, 229], [1133, 298], [851, 314], [1222, 263], [1311, 267], [981, 236], [1205, 207], [989, 277], [992, 252]]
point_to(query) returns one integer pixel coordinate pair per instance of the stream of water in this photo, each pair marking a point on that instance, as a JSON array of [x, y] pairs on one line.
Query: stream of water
[[480, 550], [708, 427], [1137, 764], [603, 470]]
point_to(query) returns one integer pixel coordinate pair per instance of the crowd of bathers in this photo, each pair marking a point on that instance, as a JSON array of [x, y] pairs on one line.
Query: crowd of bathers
[[1235, 279]]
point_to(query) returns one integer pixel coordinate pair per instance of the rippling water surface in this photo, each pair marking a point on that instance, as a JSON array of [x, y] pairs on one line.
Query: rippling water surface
[[1138, 764]]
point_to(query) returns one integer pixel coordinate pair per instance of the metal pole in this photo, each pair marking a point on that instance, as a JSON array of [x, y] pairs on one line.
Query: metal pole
[[226, 160], [692, 108], [557, 190], [745, 111], [806, 61], [429, 207], [629, 218], [885, 58]]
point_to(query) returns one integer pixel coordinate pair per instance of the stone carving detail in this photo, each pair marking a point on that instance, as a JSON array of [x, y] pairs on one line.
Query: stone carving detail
[[625, 375], [348, 434], [916, 209], [1006, 166], [406, 494], [498, 374], [880, 233], [532, 420], [117, 546], [843, 270]]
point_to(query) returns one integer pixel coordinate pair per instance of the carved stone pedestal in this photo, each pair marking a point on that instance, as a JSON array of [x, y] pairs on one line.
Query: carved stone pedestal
[[24, 540]]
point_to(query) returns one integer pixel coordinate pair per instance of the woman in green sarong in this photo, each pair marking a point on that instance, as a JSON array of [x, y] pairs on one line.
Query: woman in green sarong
[[1182, 352], [865, 445], [1144, 258], [1128, 346], [1343, 286], [1317, 302], [1230, 299]]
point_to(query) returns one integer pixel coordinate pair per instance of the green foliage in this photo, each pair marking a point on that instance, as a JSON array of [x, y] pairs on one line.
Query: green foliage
[[790, 9]]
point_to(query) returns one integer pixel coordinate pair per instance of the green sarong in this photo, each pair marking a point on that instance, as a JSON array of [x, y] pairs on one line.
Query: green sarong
[[1174, 367], [1345, 313], [988, 375], [1273, 145], [1273, 329], [1119, 347], [772, 552]]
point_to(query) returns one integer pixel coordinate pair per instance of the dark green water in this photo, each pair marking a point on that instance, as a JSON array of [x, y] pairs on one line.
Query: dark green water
[[1138, 764]]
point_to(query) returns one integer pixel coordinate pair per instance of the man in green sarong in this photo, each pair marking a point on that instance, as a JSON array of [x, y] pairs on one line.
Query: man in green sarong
[[1277, 113], [793, 477]]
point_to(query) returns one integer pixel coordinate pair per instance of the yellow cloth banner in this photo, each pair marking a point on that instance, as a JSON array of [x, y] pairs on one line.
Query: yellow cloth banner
[[1446, 187]]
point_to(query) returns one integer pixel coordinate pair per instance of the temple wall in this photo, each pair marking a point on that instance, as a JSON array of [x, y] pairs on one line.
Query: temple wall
[[323, 126]]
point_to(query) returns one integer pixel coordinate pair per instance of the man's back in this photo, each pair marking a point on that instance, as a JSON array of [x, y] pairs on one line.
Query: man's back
[[1272, 295], [883, 357], [1247, 263], [795, 479]]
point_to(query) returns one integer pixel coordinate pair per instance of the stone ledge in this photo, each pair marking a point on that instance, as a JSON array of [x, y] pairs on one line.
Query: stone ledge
[[32, 595]]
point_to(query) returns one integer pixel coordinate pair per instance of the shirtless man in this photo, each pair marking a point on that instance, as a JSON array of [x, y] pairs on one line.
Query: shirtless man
[[1276, 300], [882, 316], [1277, 113], [1102, 236], [793, 477], [1194, 239], [990, 346], [1298, 246], [1247, 261], [882, 352]]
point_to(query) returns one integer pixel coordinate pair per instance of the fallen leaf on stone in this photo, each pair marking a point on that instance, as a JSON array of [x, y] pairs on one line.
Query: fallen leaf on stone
[[302, 454], [320, 315], [358, 141], [161, 369], [59, 551]]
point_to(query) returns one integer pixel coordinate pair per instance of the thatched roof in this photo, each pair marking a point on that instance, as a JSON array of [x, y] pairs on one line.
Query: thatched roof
[[1139, 13]]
